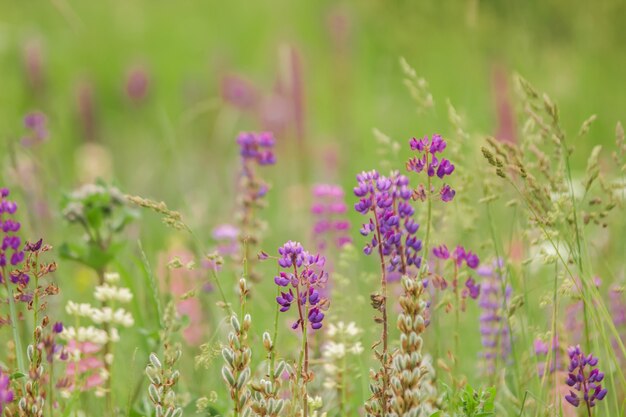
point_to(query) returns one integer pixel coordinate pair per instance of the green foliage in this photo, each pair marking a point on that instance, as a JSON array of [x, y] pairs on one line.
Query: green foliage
[[468, 402], [102, 213]]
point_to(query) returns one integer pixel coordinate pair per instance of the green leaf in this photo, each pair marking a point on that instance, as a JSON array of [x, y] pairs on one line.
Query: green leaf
[[17, 375]]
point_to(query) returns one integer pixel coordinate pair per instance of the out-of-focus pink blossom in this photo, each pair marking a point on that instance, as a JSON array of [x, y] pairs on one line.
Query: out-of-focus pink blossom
[[86, 110], [331, 228], [137, 84], [33, 65], [36, 123], [88, 370], [239, 92], [504, 109]]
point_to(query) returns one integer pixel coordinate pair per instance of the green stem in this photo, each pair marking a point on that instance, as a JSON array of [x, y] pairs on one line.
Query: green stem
[[383, 308], [429, 209], [105, 354], [303, 369], [221, 290], [16, 335], [457, 320], [272, 353]]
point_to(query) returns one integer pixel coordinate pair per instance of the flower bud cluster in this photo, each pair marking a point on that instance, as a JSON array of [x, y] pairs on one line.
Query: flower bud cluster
[[163, 377], [408, 365], [266, 400], [236, 370]]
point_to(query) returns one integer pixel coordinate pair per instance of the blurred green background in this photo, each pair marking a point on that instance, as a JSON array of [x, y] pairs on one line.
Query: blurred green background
[[177, 143]]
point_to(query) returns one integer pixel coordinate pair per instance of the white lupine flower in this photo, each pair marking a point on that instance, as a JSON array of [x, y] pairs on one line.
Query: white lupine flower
[[329, 384], [108, 292], [357, 348], [111, 277], [331, 331], [108, 315], [344, 341], [79, 309], [352, 330], [334, 350], [114, 335], [330, 368], [315, 402], [85, 334]]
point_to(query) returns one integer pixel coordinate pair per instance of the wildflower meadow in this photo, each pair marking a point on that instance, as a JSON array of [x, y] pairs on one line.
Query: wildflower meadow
[[312, 209]]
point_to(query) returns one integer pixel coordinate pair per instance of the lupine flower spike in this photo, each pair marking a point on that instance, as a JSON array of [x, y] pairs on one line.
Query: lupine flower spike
[[302, 281], [494, 329], [585, 378], [255, 149], [427, 161]]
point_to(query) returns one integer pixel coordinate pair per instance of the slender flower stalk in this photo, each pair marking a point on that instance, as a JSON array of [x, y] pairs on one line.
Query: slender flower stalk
[[256, 150], [265, 392], [304, 284], [33, 400], [428, 162]]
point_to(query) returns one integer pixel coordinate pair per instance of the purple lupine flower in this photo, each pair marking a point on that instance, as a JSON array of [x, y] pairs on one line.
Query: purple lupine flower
[[257, 147], [473, 289], [429, 162], [460, 255], [441, 252], [10, 251], [457, 258], [542, 349], [387, 198], [329, 209], [494, 330], [585, 378], [57, 327], [6, 394], [302, 281]]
